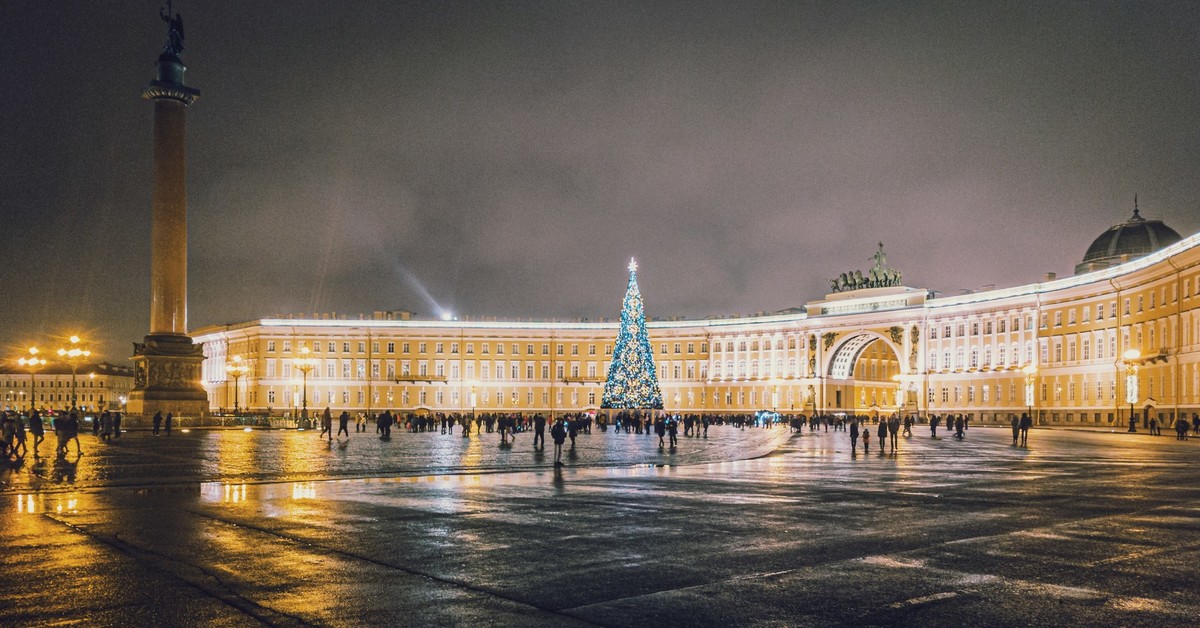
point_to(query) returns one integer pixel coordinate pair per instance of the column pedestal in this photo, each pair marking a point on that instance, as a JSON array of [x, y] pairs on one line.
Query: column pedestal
[[167, 377]]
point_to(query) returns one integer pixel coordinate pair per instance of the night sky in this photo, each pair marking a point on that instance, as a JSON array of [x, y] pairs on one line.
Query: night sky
[[507, 159]]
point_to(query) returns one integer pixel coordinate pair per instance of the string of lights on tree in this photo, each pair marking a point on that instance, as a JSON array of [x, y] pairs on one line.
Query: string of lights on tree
[[632, 380]]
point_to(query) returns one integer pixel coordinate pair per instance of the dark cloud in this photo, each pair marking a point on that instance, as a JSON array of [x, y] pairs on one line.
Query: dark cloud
[[506, 159]]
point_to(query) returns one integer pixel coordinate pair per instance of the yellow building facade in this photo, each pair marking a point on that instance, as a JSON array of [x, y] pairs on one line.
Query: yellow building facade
[[1063, 349]]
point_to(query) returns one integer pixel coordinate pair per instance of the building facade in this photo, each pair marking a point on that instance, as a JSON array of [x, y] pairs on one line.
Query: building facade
[[98, 387], [1090, 349]]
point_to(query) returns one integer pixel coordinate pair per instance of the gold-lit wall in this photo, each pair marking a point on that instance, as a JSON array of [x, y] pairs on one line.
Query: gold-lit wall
[[875, 351]]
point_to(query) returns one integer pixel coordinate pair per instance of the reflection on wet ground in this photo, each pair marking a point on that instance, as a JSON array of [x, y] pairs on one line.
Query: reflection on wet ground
[[140, 458], [753, 527]]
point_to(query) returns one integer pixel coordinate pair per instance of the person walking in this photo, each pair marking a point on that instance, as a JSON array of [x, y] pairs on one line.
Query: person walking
[[959, 427], [38, 429], [116, 423], [1026, 423], [882, 432], [660, 428], [933, 423], [59, 423], [853, 435], [908, 425], [673, 431], [894, 432], [539, 431], [8, 434], [866, 434], [19, 435], [167, 423], [558, 433], [73, 433], [344, 424], [1016, 427], [326, 424]]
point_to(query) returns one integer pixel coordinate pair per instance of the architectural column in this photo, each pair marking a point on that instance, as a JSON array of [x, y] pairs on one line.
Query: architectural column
[[167, 363]]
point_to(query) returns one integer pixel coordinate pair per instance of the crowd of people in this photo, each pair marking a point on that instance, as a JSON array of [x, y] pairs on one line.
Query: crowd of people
[[17, 428]]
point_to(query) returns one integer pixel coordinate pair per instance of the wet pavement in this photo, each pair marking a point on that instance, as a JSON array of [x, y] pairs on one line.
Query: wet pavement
[[753, 527]]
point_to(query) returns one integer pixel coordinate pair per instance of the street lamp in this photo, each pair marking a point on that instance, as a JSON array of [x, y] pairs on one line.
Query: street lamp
[[1030, 372], [33, 362], [237, 369], [1131, 360], [899, 389], [72, 356], [305, 364]]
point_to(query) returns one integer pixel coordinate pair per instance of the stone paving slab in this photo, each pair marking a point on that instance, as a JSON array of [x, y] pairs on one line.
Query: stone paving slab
[[1081, 528]]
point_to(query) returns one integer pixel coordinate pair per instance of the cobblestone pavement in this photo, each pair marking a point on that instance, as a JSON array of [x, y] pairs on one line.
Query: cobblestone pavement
[[753, 527]]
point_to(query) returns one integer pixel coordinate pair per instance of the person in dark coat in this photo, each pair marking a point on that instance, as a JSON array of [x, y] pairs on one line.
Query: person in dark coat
[[1016, 427], [853, 435], [344, 424], [1026, 423], [38, 429], [157, 421], [558, 433], [539, 431]]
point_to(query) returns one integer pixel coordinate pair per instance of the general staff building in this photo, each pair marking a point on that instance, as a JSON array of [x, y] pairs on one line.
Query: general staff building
[[1120, 338]]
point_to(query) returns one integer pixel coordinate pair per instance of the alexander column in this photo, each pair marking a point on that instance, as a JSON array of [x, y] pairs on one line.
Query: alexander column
[[167, 363]]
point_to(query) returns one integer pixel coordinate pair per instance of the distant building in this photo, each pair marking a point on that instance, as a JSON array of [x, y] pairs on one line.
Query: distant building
[[98, 387], [1059, 348]]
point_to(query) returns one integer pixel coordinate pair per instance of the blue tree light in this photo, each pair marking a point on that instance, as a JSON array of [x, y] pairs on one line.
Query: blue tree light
[[632, 381]]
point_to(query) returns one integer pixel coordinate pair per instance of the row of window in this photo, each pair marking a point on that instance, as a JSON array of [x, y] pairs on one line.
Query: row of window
[[55, 383], [1003, 358], [440, 347], [959, 330]]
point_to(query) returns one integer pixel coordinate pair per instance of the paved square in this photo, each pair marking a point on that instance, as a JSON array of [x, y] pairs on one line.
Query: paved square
[[746, 527]]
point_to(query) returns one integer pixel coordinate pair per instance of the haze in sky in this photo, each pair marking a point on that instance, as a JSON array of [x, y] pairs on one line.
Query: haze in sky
[[507, 159]]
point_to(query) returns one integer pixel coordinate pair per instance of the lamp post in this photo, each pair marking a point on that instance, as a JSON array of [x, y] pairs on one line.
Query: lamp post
[[305, 364], [236, 369], [1131, 360], [33, 362], [72, 356], [1030, 372]]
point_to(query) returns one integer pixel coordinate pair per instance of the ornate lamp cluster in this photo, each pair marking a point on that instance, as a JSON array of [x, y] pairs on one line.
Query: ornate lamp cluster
[[72, 354]]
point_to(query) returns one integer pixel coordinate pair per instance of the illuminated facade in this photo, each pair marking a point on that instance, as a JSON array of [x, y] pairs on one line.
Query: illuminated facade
[[871, 346], [98, 387]]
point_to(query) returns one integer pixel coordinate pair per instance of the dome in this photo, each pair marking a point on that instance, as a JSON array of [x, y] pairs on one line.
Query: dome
[[1129, 240]]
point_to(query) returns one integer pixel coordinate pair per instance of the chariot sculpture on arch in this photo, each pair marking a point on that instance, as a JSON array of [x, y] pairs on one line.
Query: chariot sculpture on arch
[[879, 276]]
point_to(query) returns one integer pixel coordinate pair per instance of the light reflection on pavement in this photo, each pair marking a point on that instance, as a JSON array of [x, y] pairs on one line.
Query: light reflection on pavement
[[749, 527]]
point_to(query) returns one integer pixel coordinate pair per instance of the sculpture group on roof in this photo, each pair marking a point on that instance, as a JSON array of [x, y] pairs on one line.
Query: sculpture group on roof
[[880, 276]]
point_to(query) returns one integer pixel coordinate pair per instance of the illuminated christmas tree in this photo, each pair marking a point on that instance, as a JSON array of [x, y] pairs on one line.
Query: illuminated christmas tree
[[632, 381]]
